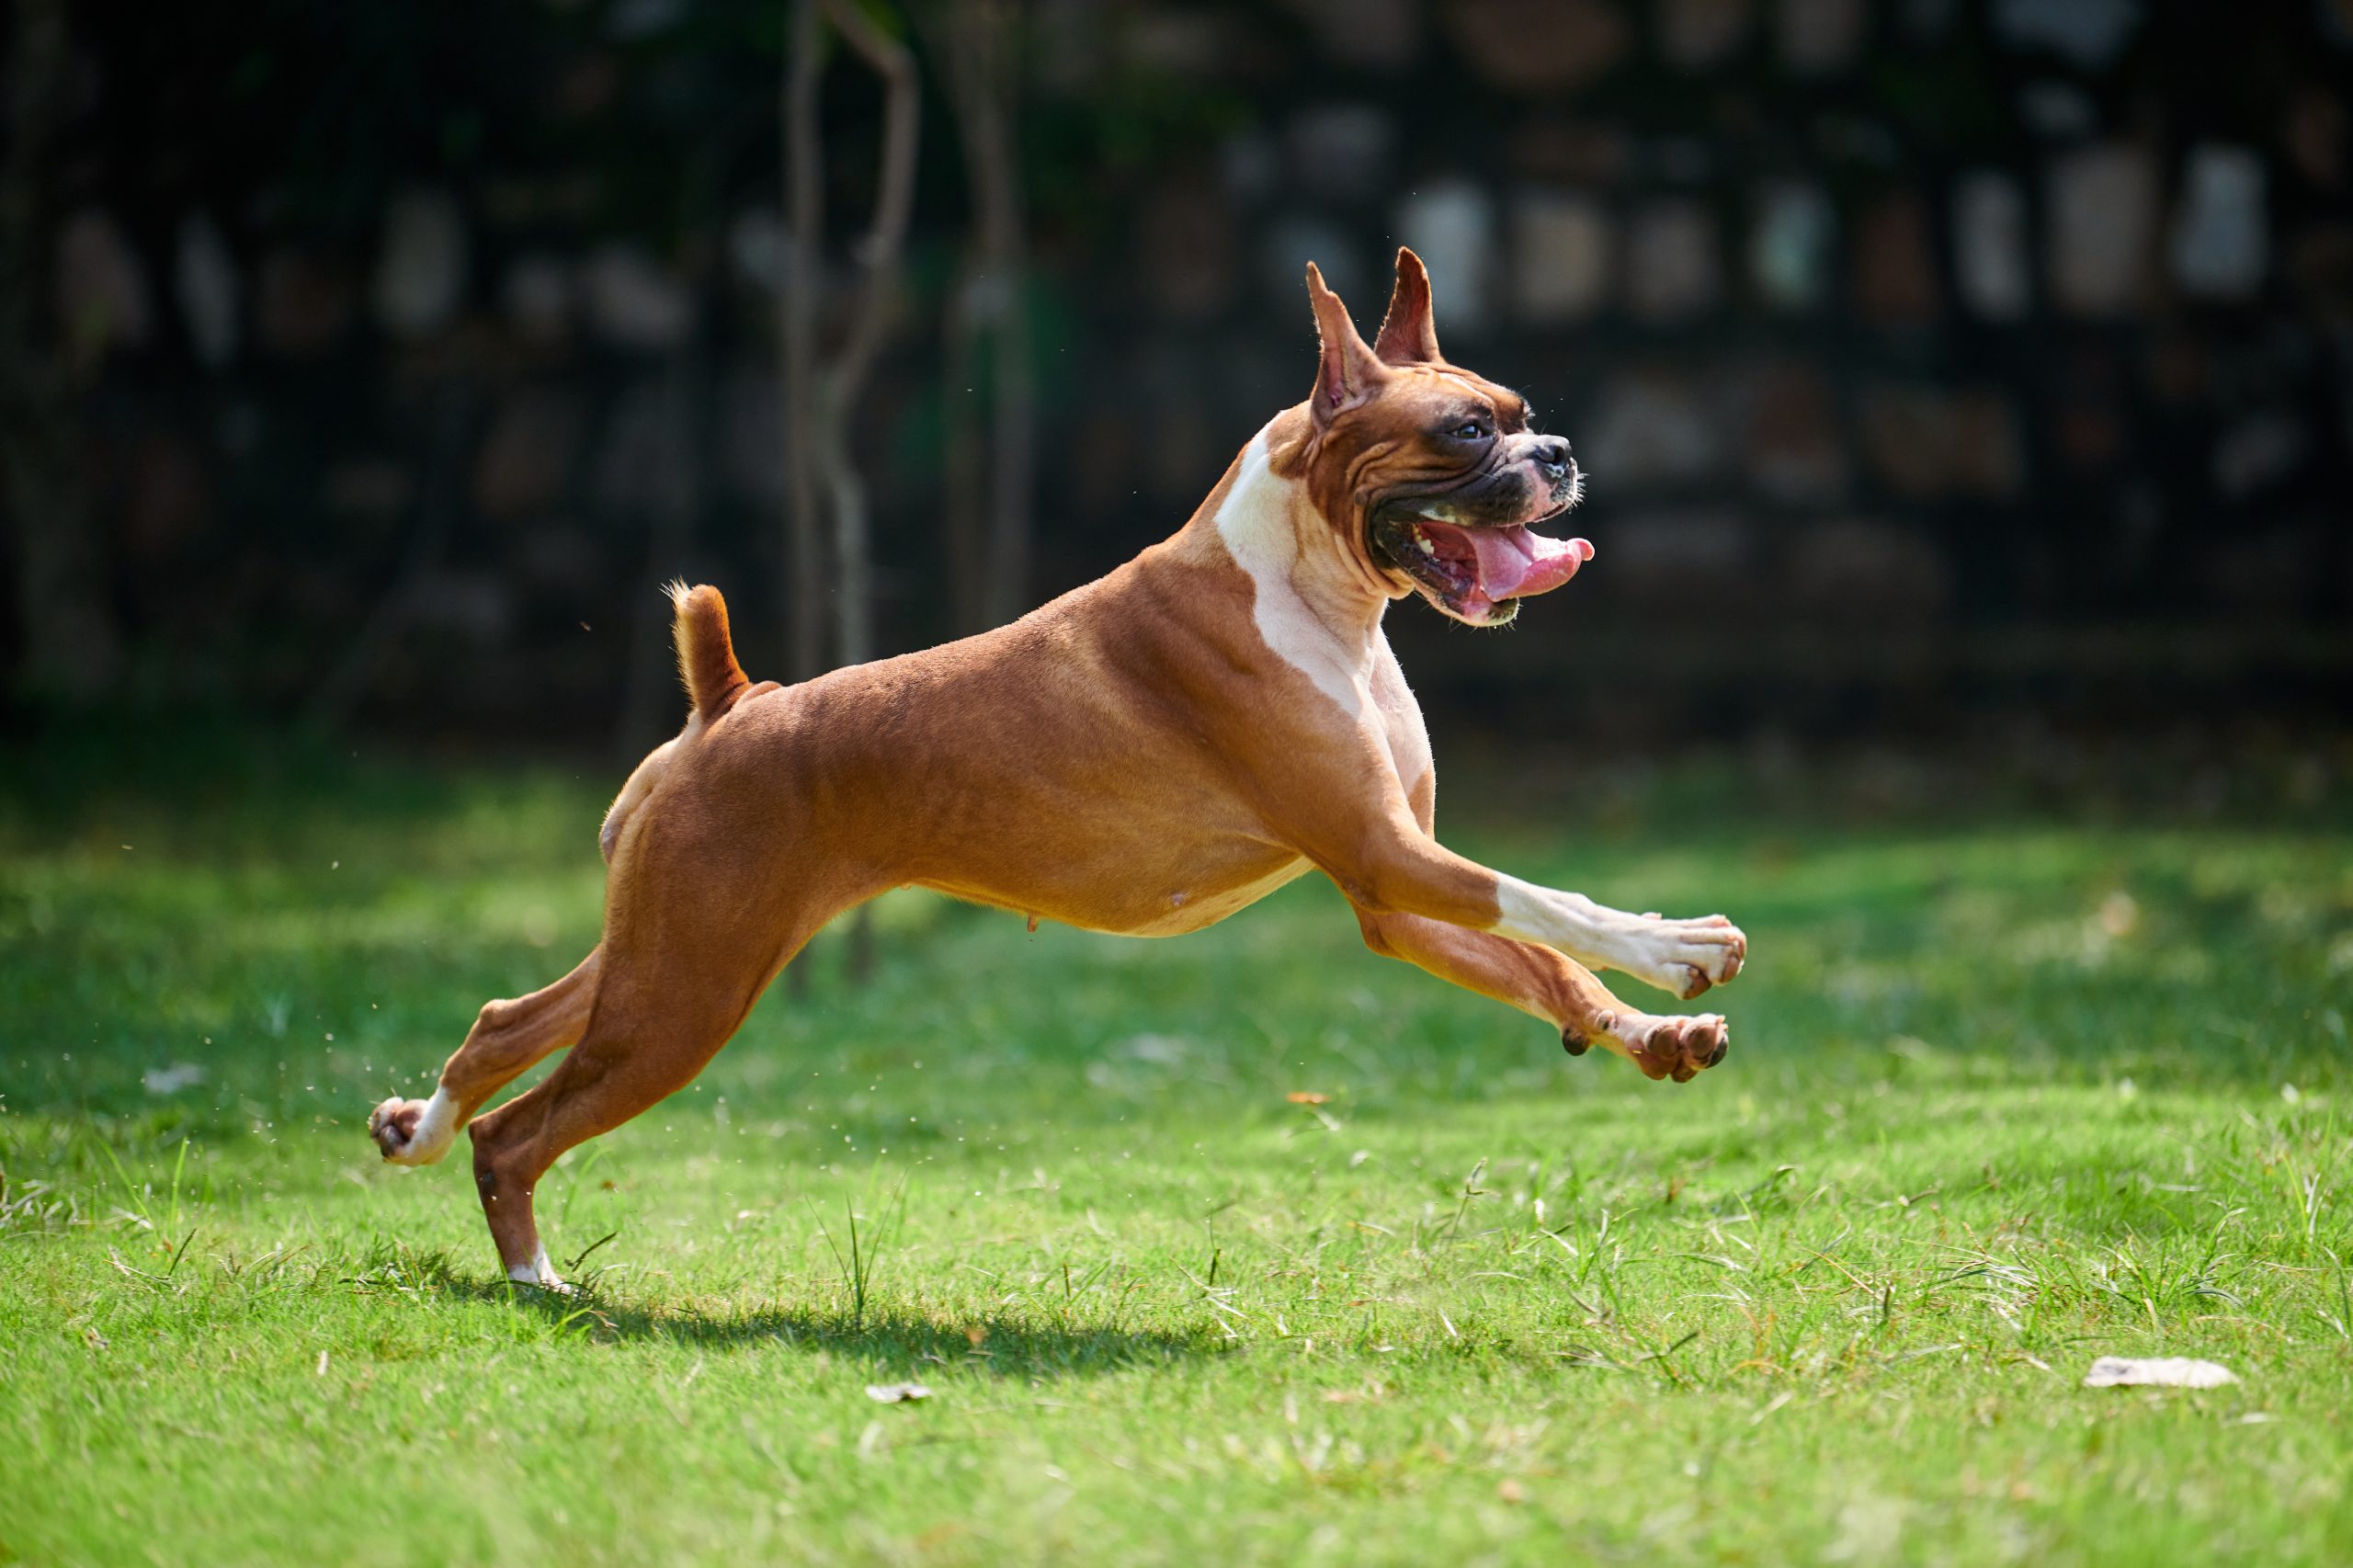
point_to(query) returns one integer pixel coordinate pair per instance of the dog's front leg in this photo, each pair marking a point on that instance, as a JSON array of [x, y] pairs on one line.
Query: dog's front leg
[[1389, 867], [1553, 987]]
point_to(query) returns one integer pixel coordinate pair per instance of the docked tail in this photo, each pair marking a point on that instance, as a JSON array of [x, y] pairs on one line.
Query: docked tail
[[706, 656], [715, 683]]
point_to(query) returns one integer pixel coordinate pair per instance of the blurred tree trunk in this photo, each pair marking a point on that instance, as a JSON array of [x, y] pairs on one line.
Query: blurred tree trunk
[[73, 648], [821, 397], [804, 202], [879, 253], [987, 322]]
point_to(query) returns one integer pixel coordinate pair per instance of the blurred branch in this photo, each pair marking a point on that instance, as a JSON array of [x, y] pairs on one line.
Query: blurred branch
[[884, 245], [797, 320], [880, 255], [820, 398], [981, 40], [72, 645]]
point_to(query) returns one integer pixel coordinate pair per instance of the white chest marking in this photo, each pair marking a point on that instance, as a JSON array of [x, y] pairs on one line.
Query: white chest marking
[[1255, 523]]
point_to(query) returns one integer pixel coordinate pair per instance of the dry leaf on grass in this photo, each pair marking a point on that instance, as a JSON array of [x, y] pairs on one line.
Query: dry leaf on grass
[[896, 1393]]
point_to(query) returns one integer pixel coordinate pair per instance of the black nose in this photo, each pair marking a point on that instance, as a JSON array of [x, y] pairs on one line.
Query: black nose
[[1551, 455]]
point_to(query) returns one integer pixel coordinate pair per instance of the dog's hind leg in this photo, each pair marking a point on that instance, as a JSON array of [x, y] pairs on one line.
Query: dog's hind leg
[[508, 1038], [653, 1031]]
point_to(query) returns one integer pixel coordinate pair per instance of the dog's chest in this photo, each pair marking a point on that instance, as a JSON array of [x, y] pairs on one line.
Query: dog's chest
[[1365, 682], [1397, 719], [1362, 678]]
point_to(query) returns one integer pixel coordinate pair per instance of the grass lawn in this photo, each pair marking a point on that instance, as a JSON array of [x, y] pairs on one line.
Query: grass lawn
[[2003, 1096]]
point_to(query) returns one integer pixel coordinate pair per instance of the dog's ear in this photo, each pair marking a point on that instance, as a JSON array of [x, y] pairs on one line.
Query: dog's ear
[[1408, 335], [1351, 373]]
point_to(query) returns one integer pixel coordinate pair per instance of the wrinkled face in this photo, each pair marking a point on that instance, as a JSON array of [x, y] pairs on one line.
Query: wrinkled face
[[1446, 482]]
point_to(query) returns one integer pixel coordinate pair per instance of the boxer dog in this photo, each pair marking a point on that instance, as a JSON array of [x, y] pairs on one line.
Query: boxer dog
[[1145, 755]]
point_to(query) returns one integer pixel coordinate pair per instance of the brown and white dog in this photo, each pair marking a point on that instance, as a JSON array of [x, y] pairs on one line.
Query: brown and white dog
[[1145, 755]]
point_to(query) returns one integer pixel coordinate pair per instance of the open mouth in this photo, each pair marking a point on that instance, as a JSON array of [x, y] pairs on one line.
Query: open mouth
[[1476, 573]]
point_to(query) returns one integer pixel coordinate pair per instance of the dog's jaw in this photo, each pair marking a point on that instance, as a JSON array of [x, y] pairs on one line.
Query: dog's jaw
[[1470, 563], [1473, 574]]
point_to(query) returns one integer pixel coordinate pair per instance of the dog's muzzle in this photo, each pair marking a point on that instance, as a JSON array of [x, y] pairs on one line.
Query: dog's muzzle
[[1471, 552]]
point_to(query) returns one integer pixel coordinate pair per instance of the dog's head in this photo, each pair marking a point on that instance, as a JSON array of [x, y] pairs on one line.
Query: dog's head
[[1431, 471]]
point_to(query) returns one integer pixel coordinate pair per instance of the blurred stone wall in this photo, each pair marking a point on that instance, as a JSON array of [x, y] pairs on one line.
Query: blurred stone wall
[[1925, 355]]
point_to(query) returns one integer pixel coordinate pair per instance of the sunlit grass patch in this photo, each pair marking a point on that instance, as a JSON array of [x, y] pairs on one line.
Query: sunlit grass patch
[[2001, 1100]]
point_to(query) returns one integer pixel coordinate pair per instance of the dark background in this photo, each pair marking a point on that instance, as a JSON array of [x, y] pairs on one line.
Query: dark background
[[1948, 372]]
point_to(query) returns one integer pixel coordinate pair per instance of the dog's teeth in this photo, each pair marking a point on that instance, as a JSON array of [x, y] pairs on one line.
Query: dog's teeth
[[1428, 548]]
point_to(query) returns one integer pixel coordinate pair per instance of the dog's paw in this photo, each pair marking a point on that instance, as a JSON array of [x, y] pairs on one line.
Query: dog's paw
[[538, 1271], [1677, 1048], [1685, 957], [413, 1133]]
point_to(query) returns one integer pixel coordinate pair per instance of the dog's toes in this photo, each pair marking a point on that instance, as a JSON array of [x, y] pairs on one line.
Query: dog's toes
[[394, 1123], [1731, 951], [408, 1132], [1706, 1041], [1682, 957], [1737, 953], [1681, 1048], [1673, 1044]]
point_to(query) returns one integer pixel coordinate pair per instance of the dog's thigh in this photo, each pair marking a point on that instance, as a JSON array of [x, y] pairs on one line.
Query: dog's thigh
[[662, 1013], [699, 917]]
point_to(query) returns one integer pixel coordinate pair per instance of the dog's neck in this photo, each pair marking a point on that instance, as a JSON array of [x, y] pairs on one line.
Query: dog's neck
[[1316, 602], [1298, 561]]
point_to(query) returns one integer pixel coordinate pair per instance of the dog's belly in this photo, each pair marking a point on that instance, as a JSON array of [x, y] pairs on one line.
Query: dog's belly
[[1185, 908], [1143, 890]]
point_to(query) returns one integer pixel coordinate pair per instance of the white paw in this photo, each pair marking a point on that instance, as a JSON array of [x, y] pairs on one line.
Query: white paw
[[414, 1132], [1684, 957], [539, 1272]]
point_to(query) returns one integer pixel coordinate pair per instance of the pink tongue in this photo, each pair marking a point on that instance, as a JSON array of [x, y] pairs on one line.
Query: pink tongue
[[1515, 563]]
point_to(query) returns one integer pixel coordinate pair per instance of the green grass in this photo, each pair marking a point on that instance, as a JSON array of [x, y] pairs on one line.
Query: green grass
[[2003, 1097]]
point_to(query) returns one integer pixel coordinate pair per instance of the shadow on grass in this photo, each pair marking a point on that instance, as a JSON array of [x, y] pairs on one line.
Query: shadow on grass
[[892, 1340]]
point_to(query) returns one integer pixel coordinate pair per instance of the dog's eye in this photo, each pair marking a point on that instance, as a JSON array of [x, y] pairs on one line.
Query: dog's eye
[[1468, 430]]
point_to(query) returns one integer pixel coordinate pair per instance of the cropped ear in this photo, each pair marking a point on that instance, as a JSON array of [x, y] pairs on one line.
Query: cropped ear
[[1350, 372], [1408, 336]]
